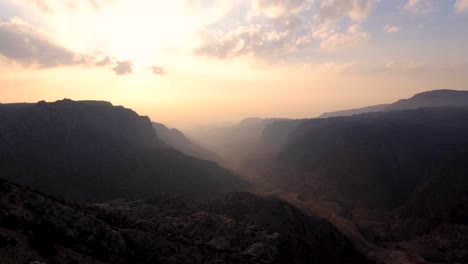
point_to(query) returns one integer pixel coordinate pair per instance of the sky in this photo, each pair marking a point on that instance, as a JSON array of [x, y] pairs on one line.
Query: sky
[[195, 62]]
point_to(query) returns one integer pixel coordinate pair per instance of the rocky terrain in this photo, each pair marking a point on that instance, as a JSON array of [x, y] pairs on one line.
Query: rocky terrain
[[235, 228]]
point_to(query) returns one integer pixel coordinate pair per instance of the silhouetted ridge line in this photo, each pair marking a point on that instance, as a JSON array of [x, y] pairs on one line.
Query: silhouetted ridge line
[[92, 151]]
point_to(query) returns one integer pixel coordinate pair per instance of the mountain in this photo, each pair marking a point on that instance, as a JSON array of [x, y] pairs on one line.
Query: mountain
[[180, 142], [394, 182], [276, 134], [435, 98], [235, 228], [94, 151], [379, 160]]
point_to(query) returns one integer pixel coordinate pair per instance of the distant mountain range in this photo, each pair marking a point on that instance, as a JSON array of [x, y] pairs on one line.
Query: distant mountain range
[[94, 151], [276, 134], [436, 98]]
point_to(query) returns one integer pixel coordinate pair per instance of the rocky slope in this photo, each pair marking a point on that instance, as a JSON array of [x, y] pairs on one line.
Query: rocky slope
[[237, 228]]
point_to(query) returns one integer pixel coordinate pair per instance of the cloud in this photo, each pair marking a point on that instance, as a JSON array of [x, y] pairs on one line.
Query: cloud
[[282, 28], [329, 15], [97, 4], [391, 29], [277, 8], [419, 7], [55, 6], [334, 68], [271, 29], [423, 66], [158, 70], [353, 37], [94, 4], [252, 40], [42, 5], [104, 61], [408, 66], [461, 6], [337, 9], [25, 45], [123, 67], [22, 44]]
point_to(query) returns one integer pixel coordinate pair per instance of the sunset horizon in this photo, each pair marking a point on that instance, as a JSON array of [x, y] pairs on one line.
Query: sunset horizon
[[194, 62]]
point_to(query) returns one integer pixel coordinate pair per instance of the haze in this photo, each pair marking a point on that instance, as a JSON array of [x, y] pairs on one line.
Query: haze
[[190, 62]]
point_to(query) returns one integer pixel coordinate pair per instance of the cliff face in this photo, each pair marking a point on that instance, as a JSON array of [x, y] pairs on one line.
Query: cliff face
[[383, 160], [93, 151]]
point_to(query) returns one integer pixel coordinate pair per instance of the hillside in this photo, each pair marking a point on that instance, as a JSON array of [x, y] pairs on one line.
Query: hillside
[[379, 160], [237, 228], [393, 181], [94, 151]]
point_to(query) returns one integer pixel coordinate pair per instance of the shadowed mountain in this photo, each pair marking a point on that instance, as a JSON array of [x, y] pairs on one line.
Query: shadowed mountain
[[382, 160], [180, 142], [237, 228], [92, 151], [393, 180], [276, 134]]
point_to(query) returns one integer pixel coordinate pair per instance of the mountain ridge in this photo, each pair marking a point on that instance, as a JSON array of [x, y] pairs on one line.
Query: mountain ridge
[[90, 151]]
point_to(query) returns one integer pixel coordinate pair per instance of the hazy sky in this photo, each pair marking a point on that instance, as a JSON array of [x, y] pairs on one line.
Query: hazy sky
[[186, 62]]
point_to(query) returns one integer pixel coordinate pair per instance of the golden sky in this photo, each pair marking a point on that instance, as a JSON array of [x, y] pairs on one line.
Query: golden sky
[[189, 62]]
